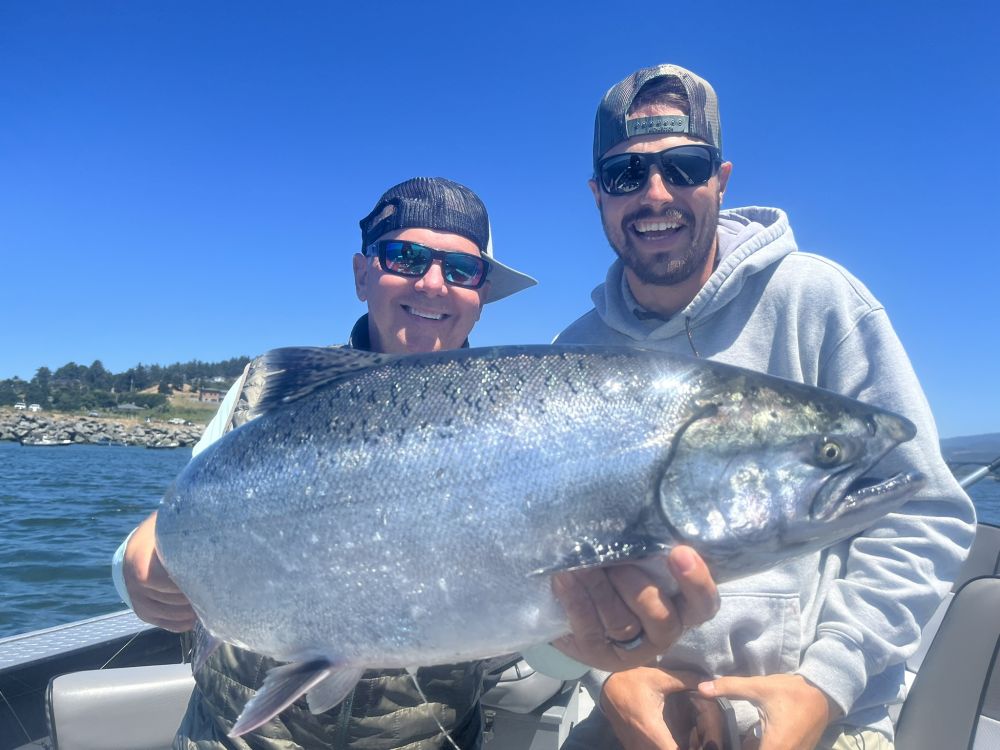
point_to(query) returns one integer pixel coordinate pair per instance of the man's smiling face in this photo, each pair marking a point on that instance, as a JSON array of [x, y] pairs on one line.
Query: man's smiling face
[[664, 234], [407, 315]]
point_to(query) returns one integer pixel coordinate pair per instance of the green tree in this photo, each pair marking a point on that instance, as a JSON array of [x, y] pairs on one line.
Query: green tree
[[70, 371], [43, 375], [38, 388], [97, 377], [10, 394], [67, 398]]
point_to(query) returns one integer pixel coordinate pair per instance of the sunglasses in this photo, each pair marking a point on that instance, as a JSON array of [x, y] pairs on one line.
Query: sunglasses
[[681, 166], [403, 258]]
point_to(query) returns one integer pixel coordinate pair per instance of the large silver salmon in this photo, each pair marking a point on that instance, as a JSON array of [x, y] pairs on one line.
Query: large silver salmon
[[397, 511]]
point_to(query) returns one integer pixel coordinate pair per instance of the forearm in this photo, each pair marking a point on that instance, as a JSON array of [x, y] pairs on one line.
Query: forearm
[[215, 429]]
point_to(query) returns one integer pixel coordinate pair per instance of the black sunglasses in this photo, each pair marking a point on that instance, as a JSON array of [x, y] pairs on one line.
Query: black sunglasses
[[403, 258], [681, 166]]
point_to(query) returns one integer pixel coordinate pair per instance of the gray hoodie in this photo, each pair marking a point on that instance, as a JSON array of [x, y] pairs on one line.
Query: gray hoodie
[[846, 618]]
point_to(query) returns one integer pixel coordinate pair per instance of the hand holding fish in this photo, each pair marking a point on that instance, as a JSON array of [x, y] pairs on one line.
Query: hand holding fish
[[155, 597], [794, 712], [621, 617]]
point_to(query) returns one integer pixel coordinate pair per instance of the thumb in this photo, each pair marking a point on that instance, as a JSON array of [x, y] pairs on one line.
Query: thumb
[[745, 688]]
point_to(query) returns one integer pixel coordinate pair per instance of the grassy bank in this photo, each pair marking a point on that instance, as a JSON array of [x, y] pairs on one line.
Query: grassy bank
[[179, 406]]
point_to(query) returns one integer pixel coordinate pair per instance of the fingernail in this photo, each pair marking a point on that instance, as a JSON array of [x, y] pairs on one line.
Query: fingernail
[[707, 688], [683, 560]]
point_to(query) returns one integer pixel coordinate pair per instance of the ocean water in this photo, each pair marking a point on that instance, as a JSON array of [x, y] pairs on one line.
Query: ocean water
[[63, 512]]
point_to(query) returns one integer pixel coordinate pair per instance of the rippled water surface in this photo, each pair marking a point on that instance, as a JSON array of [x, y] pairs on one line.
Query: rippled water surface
[[64, 510]]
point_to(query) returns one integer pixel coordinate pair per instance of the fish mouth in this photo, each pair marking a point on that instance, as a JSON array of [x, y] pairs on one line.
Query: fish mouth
[[869, 495]]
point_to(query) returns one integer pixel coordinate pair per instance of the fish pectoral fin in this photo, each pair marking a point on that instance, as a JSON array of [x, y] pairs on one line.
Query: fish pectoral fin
[[205, 645], [326, 694], [282, 685], [589, 553]]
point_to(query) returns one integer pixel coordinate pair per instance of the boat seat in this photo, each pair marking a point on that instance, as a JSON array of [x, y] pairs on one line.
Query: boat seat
[[954, 701], [521, 689], [140, 708], [130, 708], [529, 709], [983, 560], [984, 557]]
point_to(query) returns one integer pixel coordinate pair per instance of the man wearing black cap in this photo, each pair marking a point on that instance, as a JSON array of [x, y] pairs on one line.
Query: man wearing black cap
[[817, 645], [425, 269]]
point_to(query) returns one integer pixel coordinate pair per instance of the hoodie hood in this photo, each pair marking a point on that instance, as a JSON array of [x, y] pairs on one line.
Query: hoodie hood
[[751, 240]]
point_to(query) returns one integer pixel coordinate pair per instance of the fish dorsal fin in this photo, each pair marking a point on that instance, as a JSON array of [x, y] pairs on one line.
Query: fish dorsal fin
[[296, 371]]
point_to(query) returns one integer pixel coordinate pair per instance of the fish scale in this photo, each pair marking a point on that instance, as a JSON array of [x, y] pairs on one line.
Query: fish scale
[[385, 512]]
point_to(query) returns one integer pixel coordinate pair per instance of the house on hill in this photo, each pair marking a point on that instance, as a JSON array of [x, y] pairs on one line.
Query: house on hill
[[211, 395]]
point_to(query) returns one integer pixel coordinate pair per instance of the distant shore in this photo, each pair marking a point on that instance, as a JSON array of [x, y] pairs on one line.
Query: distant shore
[[30, 427]]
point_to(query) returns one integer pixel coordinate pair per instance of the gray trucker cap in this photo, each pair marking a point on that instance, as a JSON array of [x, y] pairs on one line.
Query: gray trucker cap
[[611, 127]]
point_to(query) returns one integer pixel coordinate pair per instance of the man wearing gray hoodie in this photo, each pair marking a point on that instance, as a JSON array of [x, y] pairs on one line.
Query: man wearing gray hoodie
[[815, 647]]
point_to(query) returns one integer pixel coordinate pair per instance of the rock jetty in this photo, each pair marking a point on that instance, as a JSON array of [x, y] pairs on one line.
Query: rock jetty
[[48, 429]]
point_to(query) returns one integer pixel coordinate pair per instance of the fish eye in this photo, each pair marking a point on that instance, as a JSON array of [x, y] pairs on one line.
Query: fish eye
[[829, 452]]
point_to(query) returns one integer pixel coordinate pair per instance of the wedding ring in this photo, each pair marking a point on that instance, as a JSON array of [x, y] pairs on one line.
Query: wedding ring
[[629, 645]]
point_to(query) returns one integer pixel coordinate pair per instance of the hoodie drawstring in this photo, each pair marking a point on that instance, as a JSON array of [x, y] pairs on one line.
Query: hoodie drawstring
[[687, 327]]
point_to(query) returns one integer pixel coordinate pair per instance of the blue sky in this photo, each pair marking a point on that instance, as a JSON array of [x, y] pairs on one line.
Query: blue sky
[[182, 180]]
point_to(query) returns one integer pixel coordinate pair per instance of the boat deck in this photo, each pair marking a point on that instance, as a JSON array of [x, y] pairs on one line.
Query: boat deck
[[29, 660]]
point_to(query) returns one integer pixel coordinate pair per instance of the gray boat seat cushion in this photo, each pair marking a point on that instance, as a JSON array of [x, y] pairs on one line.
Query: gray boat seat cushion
[[955, 699], [132, 708], [984, 557], [521, 689], [983, 560]]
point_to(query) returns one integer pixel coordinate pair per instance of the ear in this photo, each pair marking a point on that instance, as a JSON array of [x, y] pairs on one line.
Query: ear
[[361, 266], [597, 191], [725, 169]]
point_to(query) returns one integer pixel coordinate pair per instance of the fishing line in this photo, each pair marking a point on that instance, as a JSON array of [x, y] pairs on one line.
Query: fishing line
[[412, 671], [14, 714], [127, 644]]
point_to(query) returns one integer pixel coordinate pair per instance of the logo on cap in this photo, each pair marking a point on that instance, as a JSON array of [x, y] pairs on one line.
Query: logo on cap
[[659, 124]]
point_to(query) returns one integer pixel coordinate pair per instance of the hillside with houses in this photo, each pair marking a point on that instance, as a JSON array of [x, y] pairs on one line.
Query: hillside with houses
[[73, 387]]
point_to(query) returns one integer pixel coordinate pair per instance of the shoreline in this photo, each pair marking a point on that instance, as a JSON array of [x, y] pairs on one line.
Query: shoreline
[[31, 428]]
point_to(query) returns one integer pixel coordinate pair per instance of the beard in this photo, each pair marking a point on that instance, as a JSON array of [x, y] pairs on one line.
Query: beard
[[669, 267]]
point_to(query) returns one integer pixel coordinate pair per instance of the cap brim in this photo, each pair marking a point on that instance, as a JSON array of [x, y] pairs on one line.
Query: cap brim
[[505, 281]]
